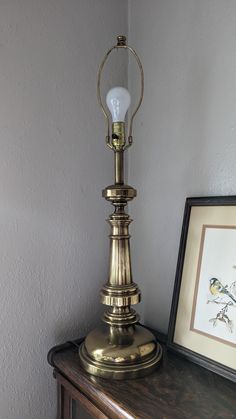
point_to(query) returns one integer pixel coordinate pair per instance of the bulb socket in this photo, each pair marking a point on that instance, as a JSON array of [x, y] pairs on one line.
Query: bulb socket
[[118, 135]]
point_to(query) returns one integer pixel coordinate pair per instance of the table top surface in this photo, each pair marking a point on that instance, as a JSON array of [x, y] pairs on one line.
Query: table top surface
[[178, 389]]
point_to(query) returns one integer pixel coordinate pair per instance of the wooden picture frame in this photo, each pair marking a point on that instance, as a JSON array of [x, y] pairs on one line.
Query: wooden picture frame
[[202, 324]]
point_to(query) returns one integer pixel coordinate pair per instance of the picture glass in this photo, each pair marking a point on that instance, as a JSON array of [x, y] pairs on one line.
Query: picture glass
[[214, 304]]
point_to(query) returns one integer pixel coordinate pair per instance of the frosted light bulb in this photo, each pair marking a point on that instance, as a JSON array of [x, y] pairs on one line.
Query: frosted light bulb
[[118, 101]]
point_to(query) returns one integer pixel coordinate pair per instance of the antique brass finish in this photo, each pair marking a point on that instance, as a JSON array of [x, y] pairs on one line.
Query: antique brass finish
[[119, 192], [120, 352], [118, 135], [120, 348]]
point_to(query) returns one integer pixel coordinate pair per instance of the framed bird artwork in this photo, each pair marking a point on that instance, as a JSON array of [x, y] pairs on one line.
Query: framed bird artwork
[[203, 315]]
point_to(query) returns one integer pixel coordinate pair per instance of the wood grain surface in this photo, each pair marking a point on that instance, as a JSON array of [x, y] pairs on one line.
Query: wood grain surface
[[178, 389]]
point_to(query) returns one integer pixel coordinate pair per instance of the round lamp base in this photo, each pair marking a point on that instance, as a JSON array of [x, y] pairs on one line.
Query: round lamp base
[[120, 352]]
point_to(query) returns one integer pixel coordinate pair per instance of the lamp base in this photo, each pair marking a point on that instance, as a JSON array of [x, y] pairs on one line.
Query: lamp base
[[120, 352]]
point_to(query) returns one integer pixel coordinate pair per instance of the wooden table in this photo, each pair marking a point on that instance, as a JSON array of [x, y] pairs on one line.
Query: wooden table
[[178, 389]]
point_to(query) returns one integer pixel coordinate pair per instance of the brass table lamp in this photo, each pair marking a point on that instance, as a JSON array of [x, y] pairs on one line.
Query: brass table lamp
[[120, 348]]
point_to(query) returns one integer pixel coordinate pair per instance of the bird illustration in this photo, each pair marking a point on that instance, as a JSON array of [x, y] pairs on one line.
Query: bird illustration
[[219, 290]]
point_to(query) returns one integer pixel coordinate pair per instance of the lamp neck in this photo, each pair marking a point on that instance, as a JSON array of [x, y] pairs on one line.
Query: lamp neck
[[119, 167]]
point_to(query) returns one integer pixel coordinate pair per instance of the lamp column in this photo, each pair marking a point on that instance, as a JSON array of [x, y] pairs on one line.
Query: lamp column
[[120, 292]]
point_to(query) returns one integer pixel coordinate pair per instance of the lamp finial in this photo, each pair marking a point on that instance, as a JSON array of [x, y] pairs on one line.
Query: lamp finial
[[121, 40]]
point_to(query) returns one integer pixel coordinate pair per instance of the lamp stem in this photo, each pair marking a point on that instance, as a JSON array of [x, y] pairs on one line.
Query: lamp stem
[[119, 167]]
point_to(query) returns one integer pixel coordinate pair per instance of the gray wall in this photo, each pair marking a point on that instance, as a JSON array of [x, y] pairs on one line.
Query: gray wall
[[185, 133], [53, 165]]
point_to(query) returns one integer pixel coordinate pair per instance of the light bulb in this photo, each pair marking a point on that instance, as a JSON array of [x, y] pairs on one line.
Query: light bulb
[[118, 102]]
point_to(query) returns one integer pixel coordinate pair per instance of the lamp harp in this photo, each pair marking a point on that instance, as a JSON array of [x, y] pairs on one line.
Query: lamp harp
[[121, 348]]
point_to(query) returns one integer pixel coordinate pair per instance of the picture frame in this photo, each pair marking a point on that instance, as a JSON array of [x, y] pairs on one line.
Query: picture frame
[[202, 325]]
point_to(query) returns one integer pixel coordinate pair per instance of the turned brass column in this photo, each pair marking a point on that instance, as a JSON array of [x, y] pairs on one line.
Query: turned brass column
[[120, 348]]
